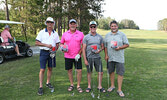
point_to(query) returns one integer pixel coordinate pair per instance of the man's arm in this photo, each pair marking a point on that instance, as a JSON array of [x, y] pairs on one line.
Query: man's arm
[[57, 46], [84, 54], [106, 54], [80, 52], [122, 47], [38, 43]]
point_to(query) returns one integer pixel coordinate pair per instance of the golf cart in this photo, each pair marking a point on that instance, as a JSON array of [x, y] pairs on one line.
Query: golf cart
[[8, 51]]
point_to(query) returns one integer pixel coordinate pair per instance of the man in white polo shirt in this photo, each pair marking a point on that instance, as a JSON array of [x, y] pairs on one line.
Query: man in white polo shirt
[[48, 40]]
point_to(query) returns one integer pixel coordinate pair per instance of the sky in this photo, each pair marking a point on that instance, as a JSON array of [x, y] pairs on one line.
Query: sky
[[145, 13]]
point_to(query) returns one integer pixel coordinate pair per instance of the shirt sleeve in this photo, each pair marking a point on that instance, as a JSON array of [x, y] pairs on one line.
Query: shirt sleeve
[[39, 36], [62, 39], [101, 40], [105, 42], [125, 40], [57, 38], [84, 40], [8, 35]]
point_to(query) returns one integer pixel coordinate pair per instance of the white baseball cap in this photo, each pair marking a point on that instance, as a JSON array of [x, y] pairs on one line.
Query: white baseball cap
[[72, 20], [49, 19]]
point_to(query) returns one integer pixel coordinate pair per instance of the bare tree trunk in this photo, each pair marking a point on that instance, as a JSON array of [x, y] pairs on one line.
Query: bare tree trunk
[[60, 26], [55, 16], [60, 19], [7, 10], [64, 24], [69, 8]]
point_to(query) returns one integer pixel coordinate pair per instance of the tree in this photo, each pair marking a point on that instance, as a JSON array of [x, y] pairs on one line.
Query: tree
[[34, 13], [104, 23], [7, 10], [128, 24], [162, 24]]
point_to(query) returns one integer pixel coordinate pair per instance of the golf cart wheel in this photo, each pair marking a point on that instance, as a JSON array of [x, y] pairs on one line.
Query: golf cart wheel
[[29, 53], [1, 58]]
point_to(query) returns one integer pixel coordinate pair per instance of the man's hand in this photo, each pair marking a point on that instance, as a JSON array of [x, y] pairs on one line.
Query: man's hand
[[98, 51], [77, 57], [106, 58], [49, 46], [86, 63], [118, 48]]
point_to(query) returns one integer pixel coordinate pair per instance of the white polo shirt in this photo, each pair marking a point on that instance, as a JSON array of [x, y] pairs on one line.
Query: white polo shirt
[[44, 37]]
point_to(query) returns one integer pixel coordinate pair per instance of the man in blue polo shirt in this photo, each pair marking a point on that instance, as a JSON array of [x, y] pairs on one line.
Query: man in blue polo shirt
[[115, 43], [48, 40]]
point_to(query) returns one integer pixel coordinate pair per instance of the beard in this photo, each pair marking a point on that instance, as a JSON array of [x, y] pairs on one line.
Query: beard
[[114, 31]]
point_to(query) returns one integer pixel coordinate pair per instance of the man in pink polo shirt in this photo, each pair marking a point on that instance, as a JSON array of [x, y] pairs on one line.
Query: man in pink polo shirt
[[73, 40], [6, 36]]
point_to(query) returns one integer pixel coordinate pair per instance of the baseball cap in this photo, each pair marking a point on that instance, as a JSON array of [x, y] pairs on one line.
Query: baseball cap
[[7, 26], [72, 20], [50, 19], [92, 23]]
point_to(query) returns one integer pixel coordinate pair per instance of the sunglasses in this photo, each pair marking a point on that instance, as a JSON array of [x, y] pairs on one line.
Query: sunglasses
[[92, 26], [49, 22]]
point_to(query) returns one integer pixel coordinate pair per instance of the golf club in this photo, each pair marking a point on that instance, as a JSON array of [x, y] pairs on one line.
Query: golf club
[[76, 65], [93, 79], [99, 79], [108, 79], [52, 55]]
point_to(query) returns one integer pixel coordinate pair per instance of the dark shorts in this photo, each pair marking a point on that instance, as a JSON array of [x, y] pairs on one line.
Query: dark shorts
[[69, 64], [120, 69], [96, 62], [13, 44], [45, 58]]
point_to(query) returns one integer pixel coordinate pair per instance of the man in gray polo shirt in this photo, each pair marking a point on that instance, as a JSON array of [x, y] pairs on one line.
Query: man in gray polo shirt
[[92, 46], [115, 42]]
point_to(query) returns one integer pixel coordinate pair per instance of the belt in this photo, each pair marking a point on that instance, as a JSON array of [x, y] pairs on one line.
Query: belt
[[44, 50]]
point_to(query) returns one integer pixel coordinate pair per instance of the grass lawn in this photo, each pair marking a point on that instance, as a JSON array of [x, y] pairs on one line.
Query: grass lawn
[[144, 79]]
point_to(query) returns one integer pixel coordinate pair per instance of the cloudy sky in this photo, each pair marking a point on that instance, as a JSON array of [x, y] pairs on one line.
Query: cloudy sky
[[145, 13]]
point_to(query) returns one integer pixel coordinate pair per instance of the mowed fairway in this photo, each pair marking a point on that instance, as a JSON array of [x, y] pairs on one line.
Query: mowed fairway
[[144, 79]]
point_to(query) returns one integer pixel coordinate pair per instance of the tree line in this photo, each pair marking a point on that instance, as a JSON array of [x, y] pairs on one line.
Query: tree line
[[34, 12], [104, 23], [162, 24]]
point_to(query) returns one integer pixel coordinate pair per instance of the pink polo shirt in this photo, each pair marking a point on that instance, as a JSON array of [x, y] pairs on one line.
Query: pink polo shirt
[[5, 35], [73, 41]]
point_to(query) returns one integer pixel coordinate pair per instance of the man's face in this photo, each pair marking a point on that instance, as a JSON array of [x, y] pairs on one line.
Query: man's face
[[92, 28], [8, 29], [114, 27], [50, 24], [73, 26]]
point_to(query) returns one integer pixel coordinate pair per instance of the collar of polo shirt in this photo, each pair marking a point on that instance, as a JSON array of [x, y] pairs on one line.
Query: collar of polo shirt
[[115, 33], [47, 30]]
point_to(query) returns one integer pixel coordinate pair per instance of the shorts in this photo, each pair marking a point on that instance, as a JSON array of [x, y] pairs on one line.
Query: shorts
[[45, 58], [120, 69], [96, 62], [69, 63]]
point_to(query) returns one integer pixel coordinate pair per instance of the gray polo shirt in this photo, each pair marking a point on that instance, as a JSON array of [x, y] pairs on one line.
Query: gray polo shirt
[[90, 40], [121, 39]]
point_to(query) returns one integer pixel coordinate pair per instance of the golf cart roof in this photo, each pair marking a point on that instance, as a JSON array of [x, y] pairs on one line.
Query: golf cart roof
[[10, 22]]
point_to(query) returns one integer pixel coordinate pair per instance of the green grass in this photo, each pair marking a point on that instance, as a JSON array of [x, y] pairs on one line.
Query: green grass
[[144, 79]]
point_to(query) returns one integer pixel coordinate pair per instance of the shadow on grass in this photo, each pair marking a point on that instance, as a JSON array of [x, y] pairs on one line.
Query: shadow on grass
[[154, 41]]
